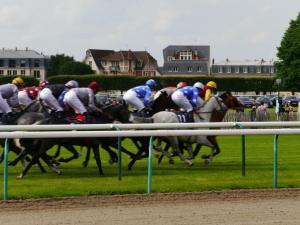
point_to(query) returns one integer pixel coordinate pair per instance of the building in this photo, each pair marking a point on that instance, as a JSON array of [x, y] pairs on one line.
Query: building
[[23, 62], [186, 59], [139, 63], [242, 68]]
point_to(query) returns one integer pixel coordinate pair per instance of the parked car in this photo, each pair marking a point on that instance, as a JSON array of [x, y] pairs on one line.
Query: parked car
[[290, 100], [246, 101], [264, 99]]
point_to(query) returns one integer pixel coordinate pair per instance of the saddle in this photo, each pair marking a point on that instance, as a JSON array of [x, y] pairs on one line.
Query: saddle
[[185, 117], [143, 113]]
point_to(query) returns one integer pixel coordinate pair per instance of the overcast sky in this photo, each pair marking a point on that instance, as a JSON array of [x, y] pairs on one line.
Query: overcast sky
[[235, 29]]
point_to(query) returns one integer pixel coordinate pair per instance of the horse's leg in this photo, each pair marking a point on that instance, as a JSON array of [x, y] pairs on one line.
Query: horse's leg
[[57, 153], [113, 156], [50, 164], [35, 157], [190, 151], [175, 144], [21, 156], [41, 166], [97, 157], [71, 149], [87, 157], [197, 150]]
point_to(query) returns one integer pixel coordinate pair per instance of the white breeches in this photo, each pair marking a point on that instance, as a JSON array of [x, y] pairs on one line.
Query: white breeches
[[180, 100], [131, 98], [24, 99], [4, 107], [72, 100], [49, 100]]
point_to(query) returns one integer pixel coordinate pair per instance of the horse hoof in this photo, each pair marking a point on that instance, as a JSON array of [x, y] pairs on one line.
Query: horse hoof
[[189, 163], [20, 176], [84, 164], [206, 162]]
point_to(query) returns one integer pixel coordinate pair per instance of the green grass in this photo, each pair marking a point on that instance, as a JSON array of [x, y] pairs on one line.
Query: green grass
[[223, 173]]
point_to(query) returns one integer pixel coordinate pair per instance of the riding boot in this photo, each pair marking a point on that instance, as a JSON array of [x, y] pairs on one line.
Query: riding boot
[[190, 117]]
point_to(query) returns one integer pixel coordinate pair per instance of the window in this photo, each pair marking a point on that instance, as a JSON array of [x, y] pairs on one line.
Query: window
[[237, 69], [271, 69], [36, 63], [228, 69], [104, 62], [170, 58], [199, 69], [220, 69], [90, 63], [9, 72], [14, 72], [190, 69], [185, 55], [245, 69], [175, 69], [23, 72], [1, 62], [258, 69], [36, 74], [11, 63], [1, 72], [22, 63], [169, 69]]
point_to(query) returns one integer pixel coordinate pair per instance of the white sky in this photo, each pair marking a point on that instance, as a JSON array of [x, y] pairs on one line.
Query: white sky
[[235, 29]]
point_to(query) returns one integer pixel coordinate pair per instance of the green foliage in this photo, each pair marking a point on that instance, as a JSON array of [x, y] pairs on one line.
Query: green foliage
[[29, 81], [124, 82], [55, 63], [75, 68], [288, 66]]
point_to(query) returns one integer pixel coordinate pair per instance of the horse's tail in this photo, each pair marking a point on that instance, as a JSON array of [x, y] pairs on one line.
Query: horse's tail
[[137, 119]]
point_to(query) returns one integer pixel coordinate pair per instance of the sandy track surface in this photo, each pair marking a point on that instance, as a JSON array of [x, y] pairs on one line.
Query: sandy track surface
[[239, 207]]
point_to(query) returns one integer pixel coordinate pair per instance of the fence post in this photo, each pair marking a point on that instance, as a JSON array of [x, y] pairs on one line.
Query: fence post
[[243, 151], [275, 160], [5, 191], [119, 153], [150, 165]]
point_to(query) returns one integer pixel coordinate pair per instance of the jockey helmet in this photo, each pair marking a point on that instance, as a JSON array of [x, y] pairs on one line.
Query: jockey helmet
[[151, 83], [181, 84], [198, 85], [43, 83], [211, 84], [94, 86], [18, 81], [72, 84]]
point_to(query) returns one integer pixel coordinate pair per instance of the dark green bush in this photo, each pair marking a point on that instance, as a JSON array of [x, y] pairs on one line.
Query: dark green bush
[[124, 82]]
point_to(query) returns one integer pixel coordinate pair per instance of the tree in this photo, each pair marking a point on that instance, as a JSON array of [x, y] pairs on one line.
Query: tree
[[56, 61], [75, 68], [288, 66]]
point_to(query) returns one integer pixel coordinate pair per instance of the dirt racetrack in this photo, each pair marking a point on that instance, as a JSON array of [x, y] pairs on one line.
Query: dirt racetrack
[[239, 207]]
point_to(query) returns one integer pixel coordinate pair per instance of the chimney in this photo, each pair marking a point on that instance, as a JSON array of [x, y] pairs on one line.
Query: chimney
[[213, 61], [26, 48], [16, 49]]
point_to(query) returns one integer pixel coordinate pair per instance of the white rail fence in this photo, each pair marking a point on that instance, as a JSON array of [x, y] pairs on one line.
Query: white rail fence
[[150, 130]]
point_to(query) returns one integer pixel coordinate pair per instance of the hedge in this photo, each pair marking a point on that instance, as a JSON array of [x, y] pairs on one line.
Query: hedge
[[29, 81], [124, 82]]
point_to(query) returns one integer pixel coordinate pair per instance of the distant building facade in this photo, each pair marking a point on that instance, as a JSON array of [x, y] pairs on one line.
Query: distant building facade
[[186, 59], [23, 62], [247, 67], [139, 63]]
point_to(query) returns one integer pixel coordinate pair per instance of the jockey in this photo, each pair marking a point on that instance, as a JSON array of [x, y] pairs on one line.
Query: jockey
[[79, 98], [188, 98], [169, 90], [50, 94], [9, 96], [209, 90], [28, 94], [139, 97]]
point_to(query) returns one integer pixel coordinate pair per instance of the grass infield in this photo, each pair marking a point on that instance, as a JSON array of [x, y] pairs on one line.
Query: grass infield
[[223, 173]]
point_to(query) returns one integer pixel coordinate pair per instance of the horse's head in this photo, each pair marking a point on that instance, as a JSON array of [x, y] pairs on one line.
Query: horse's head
[[231, 101], [117, 112], [162, 102]]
